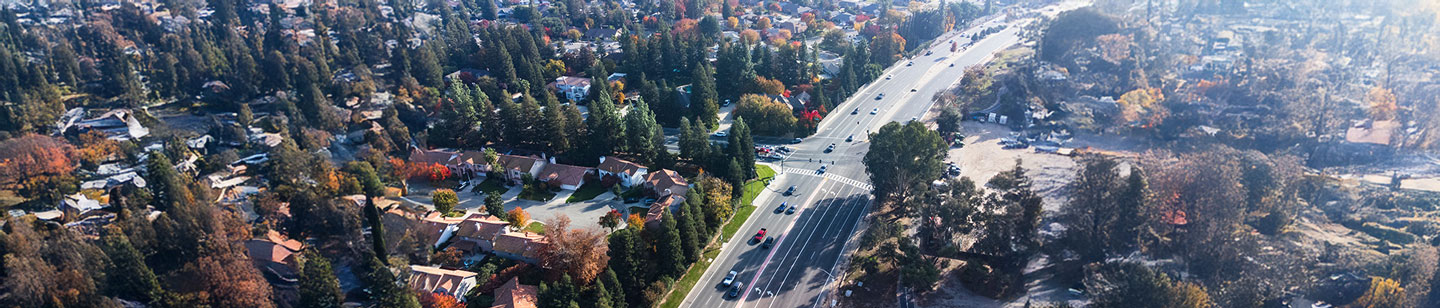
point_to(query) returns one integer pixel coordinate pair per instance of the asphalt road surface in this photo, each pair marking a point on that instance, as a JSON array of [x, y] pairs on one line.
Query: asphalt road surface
[[797, 271]]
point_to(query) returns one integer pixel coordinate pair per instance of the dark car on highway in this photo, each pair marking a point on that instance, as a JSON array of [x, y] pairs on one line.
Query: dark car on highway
[[769, 241], [790, 191], [791, 210], [781, 209], [735, 289]]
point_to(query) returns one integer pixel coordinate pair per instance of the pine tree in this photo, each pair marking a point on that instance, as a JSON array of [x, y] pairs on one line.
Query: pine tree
[[553, 125], [689, 237], [668, 249], [494, 205], [505, 68], [694, 143], [385, 290], [560, 294], [605, 127], [616, 291], [129, 277], [704, 101], [629, 262], [318, 286], [374, 189], [695, 201], [427, 67], [601, 296], [742, 149], [643, 135]]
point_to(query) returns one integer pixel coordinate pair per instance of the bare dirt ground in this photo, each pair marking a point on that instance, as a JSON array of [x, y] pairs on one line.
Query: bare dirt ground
[[981, 159]]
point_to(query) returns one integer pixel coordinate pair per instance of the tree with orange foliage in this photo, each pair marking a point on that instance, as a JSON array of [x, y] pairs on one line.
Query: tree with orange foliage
[[1382, 103], [96, 149], [635, 222], [517, 218], [767, 86], [763, 23], [750, 36], [437, 300], [34, 156], [438, 172], [578, 252]]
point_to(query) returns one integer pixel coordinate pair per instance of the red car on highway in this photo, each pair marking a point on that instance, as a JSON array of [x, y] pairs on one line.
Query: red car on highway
[[759, 236]]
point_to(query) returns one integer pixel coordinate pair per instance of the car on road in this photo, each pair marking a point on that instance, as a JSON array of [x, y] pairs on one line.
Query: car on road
[[729, 278], [927, 52], [912, 90], [760, 235], [911, 63], [822, 170], [874, 111], [781, 209], [736, 289], [796, 140], [830, 148], [462, 185], [856, 111], [769, 241], [887, 77], [725, 104], [790, 211], [952, 64], [1016, 145], [721, 134], [850, 138], [879, 96], [790, 191]]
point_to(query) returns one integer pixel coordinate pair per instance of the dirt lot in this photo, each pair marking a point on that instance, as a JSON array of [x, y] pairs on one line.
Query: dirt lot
[[983, 157]]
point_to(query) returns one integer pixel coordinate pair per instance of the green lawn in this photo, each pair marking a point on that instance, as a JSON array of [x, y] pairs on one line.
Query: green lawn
[[491, 185], [692, 276], [586, 192], [689, 280], [535, 227]]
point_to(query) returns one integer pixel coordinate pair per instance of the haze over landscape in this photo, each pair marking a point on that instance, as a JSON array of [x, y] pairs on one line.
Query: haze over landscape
[[720, 153]]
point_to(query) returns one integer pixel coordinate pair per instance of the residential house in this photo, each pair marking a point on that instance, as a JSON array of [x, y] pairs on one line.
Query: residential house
[[478, 232], [565, 177], [657, 210], [626, 172], [454, 283], [573, 88], [520, 246], [118, 124], [512, 294], [516, 167], [601, 34], [77, 205], [274, 255], [666, 182]]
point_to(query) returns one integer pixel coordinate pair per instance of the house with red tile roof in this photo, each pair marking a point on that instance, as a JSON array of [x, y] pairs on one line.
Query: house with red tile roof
[[628, 173], [565, 177], [478, 232], [438, 280], [520, 246], [666, 182], [516, 167], [274, 255], [657, 210], [515, 295]]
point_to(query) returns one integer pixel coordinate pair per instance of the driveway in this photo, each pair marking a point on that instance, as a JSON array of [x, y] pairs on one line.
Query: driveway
[[583, 214]]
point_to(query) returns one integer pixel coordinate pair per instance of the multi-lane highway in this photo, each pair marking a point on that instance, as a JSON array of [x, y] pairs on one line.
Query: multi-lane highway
[[798, 270]]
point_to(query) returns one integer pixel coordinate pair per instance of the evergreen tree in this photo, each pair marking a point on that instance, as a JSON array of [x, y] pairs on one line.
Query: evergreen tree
[[695, 201], [489, 10], [553, 125], [704, 101], [600, 296], [629, 262], [643, 135], [669, 252], [384, 289], [373, 189], [505, 67], [694, 143], [599, 87], [427, 68], [494, 205], [560, 294], [606, 129], [129, 277], [318, 286], [742, 149], [616, 291], [689, 237]]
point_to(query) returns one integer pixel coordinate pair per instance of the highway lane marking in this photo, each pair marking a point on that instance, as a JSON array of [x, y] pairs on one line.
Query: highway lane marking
[[729, 254], [849, 212], [805, 245], [761, 271]]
